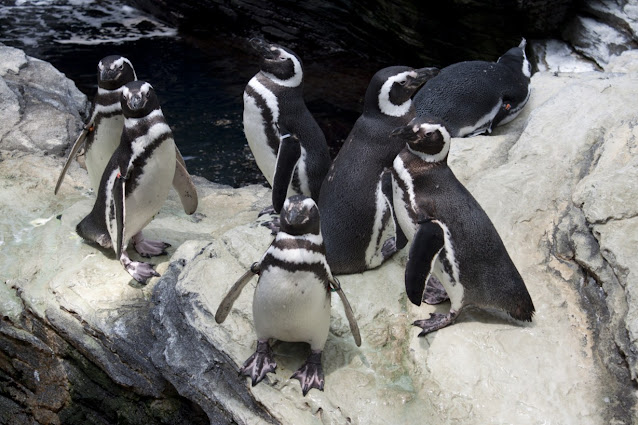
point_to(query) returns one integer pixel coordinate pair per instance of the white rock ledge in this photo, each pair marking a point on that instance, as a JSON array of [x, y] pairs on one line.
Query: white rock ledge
[[559, 183]]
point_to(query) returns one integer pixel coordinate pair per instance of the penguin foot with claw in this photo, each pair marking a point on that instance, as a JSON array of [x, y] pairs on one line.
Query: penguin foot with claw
[[259, 364], [310, 374], [435, 322], [434, 292]]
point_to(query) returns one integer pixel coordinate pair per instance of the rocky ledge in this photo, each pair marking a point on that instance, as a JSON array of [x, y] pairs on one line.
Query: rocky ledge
[[82, 343]]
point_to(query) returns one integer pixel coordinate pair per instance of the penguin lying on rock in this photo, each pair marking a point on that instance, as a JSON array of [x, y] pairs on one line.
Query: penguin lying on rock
[[473, 97], [135, 182], [101, 135], [273, 107], [356, 213], [292, 298], [451, 236]]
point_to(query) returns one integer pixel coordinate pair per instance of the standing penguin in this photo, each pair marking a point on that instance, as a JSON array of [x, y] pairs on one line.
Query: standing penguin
[[356, 214], [292, 297], [452, 237], [101, 134], [274, 106], [135, 182], [473, 97]]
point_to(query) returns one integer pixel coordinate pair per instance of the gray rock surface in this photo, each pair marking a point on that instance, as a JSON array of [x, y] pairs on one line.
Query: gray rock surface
[[82, 343], [33, 92]]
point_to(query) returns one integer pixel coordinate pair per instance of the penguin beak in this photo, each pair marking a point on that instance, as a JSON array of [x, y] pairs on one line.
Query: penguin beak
[[136, 102], [264, 49], [405, 132], [422, 75]]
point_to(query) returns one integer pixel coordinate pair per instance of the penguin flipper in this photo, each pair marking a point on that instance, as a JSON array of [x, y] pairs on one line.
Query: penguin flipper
[[79, 142], [184, 186], [234, 292], [426, 245], [287, 158], [352, 321], [119, 190]]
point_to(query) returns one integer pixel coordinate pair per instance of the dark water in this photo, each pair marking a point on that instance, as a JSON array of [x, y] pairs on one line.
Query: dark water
[[200, 84]]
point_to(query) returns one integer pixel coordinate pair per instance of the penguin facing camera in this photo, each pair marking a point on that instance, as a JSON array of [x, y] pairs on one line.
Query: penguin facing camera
[[101, 135], [292, 298], [451, 236], [356, 213], [273, 107], [135, 182], [473, 97]]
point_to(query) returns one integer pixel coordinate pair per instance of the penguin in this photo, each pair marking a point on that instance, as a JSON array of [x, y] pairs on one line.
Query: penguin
[[473, 97], [451, 236], [100, 136], [273, 107], [135, 182], [292, 298], [357, 219]]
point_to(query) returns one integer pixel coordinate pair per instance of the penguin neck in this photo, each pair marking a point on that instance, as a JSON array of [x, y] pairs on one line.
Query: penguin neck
[[436, 159], [315, 239], [293, 82]]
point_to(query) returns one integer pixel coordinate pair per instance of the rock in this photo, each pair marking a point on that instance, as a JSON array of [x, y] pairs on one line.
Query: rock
[[82, 343], [558, 56], [392, 32], [42, 109]]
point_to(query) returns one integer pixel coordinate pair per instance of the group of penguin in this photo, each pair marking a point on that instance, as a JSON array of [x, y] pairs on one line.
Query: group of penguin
[[388, 186]]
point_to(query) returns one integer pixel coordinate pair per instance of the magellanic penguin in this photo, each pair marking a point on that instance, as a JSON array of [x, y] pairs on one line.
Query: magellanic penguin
[[274, 107], [292, 298], [451, 236], [101, 135], [473, 97], [355, 199], [135, 182]]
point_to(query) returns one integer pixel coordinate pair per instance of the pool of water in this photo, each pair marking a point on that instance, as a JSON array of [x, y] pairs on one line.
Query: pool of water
[[199, 84]]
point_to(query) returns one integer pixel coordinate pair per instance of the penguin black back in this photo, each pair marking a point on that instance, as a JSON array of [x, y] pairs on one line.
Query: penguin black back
[[473, 97]]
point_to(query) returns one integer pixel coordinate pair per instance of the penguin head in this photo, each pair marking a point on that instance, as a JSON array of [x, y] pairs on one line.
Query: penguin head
[[426, 137], [516, 59], [394, 86], [114, 71], [299, 216], [279, 64], [138, 99]]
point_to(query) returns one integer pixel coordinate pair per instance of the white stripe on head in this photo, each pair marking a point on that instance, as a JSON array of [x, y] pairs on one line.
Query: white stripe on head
[[268, 96], [427, 128], [385, 104], [293, 81]]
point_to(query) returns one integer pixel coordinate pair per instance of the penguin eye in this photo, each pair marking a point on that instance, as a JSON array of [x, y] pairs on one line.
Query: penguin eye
[[120, 67], [282, 58], [402, 82]]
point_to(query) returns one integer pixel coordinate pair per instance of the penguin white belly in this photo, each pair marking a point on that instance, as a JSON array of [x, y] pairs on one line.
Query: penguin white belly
[[151, 191], [383, 228], [449, 277], [401, 207], [255, 130], [105, 141], [292, 306], [482, 124]]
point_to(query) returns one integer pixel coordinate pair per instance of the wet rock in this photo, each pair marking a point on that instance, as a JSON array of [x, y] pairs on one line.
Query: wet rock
[[40, 106]]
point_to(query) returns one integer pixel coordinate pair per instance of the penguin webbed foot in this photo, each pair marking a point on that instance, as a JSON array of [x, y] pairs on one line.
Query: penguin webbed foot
[[389, 248], [259, 364], [268, 210], [141, 272], [435, 322], [149, 248], [273, 225], [310, 374], [434, 292]]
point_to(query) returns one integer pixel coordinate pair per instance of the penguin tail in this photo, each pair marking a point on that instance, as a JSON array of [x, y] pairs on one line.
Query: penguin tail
[[90, 230], [524, 309]]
